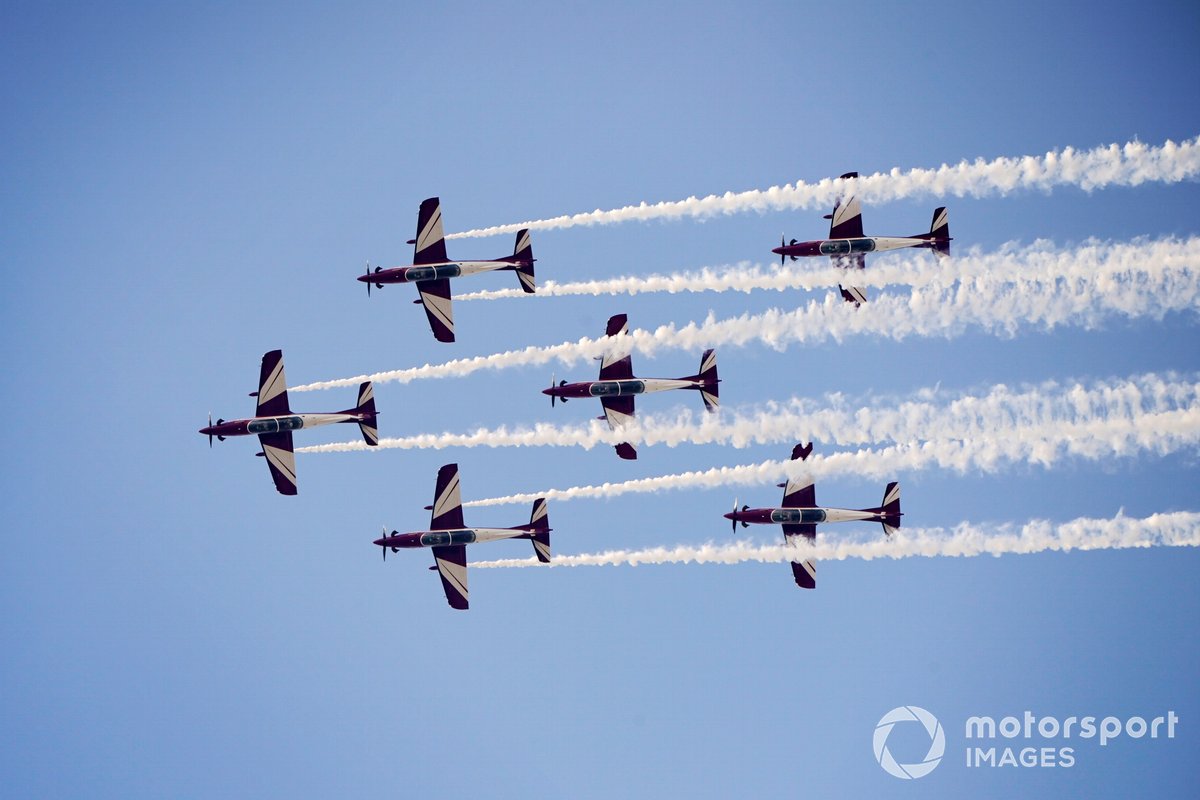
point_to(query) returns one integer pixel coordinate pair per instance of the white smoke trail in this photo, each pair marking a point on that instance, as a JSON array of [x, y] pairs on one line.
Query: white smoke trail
[[1174, 529], [1044, 447], [1041, 261], [1108, 410], [1080, 292], [1130, 164]]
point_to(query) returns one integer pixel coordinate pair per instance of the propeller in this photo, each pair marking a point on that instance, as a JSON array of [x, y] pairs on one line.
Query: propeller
[[733, 522], [383, 530], [782, 244], [368, 282], [210, 426], [552, 398]]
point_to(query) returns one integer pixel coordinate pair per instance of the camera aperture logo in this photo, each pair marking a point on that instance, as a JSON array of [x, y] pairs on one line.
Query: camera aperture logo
[[937, 742], [1029, 740]]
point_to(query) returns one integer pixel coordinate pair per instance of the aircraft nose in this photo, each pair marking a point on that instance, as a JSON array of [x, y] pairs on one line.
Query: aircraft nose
[[206, 431], [364, 279], [548, 392], [729, 515], [778, 251], [381, 542]]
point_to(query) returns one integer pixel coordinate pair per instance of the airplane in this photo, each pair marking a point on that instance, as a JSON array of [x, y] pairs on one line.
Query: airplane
[[617, 386], [431, 270], [273, 421], [800, 515], [449, 536], [847, 247]]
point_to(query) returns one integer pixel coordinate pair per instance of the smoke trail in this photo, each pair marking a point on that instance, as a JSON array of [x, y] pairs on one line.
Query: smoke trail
[[1109, 410], [1175, 529], [1037, 262], [1081, 292], [1130, 164], [1044, 446]]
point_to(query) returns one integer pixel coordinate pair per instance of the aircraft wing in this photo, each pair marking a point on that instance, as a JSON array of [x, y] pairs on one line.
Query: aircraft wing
[[272, 387], [451, 563], [805, 572], [846, 219], [852, 261], [435, 296], [618, 410], [800, 493], [430, 242], [616, 366], [447, 503], [277, 448]]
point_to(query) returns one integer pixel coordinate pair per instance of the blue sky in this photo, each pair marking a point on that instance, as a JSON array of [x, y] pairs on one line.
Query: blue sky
[[187, 188]]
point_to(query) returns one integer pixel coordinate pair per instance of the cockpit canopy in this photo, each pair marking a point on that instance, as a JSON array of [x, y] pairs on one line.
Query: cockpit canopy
[[443, 538], [275, 425], [798, 516]]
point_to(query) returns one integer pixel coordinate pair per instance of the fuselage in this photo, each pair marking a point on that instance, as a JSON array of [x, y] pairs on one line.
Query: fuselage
[[286, 422], [846, 247], [801, 516], [622, 388], [455, 536], [447, 269]]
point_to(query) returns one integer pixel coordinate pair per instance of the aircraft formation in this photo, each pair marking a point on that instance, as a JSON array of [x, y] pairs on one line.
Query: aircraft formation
[[616, 387]]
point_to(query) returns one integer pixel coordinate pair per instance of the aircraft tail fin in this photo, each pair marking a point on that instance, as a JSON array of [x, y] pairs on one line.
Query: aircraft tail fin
[[366, 405], [939, 232], [708, 380], [523, 251], [890, 509], [539, 530]]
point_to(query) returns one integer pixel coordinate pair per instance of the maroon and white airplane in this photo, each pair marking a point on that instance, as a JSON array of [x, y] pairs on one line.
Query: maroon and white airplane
[[431, 270], [449, 537], [800, 515], [847, 247], [617, 386], [273, 421]]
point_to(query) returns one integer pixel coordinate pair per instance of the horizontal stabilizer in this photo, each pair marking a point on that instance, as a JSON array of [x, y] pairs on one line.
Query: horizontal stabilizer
[[707, 376], [366, 405], [939, 231], [523, 252], [890, 508]]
